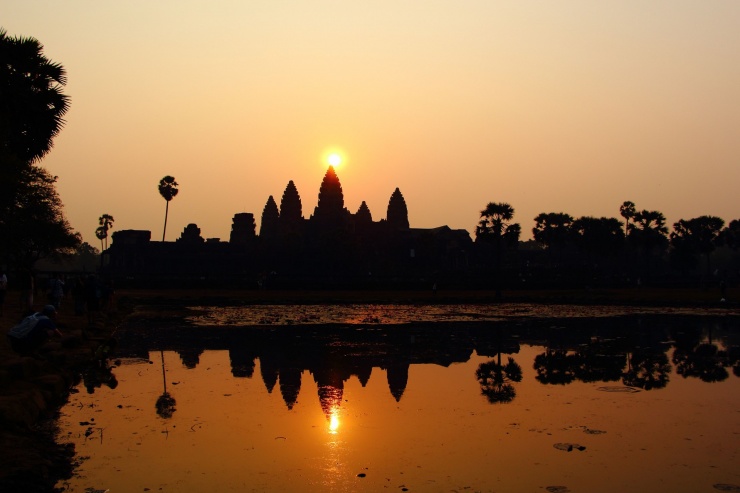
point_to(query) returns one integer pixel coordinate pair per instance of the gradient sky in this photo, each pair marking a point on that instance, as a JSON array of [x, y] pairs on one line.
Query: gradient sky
[[568, 106]]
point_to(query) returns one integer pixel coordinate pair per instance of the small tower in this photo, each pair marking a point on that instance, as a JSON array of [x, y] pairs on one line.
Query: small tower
[[363, 216], [191, 235], [270, 220], [242, 228], [291, 210]]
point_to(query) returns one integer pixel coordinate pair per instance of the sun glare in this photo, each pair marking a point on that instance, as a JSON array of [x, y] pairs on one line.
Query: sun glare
[[334, 421], [333, 156]]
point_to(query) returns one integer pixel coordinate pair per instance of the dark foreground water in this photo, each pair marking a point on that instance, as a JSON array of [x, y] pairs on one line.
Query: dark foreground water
[[623, 402]]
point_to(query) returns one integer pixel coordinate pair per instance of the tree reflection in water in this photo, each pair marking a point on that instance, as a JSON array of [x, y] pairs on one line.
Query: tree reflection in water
[[704, 361], [648, 369], [556, 366], [698, 357], [165, 404], [496, 380]]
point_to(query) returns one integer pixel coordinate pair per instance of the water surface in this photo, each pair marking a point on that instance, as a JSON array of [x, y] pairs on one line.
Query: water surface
[[616, 403]]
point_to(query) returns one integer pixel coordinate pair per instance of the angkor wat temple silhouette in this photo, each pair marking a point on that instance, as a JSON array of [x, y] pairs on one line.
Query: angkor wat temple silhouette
[[332, 247]]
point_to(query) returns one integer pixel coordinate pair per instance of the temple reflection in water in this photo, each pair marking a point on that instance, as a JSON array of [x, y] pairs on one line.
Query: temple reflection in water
[[639, 352]]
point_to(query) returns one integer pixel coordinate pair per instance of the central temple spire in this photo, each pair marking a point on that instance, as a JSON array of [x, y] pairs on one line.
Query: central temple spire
[[331, 198]]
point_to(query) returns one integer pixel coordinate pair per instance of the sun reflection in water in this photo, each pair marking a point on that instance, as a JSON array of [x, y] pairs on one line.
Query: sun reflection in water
[[334, 420]]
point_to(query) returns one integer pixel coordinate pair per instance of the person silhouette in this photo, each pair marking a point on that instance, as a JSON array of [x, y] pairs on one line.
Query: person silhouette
[[33, 331]]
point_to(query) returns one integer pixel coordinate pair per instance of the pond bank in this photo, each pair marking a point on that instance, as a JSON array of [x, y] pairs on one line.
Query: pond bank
[[33, 388]]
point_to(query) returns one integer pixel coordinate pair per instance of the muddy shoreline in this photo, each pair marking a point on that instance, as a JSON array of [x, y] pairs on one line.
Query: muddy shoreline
[[33, 389]]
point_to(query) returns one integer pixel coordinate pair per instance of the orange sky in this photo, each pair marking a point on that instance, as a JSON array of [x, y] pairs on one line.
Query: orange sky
[[569, 106]]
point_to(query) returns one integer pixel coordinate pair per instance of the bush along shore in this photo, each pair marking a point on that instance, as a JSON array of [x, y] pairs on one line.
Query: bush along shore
[[34, 387]]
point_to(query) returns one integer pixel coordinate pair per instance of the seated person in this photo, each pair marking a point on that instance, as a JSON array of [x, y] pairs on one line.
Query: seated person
[[34, 331]]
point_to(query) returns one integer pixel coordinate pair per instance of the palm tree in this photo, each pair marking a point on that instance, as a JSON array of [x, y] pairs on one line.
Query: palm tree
[[627, 211], [33, 102], [168, 191], [101, 234], [700, 235], [649, 233], [106, 223], [495, 226], [31, 110], [731, 234], [553, 230]]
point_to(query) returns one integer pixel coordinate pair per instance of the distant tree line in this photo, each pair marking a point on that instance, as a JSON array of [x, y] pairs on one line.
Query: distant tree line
[[602, 251]]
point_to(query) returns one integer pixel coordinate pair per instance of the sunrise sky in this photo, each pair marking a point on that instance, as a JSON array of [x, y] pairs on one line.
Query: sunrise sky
[[551, 106]]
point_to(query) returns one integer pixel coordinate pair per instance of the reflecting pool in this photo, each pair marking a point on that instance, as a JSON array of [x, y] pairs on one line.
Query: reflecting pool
[[611, 404]]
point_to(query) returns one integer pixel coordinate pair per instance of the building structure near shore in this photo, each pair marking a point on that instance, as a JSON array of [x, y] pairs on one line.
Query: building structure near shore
[[332, 247]]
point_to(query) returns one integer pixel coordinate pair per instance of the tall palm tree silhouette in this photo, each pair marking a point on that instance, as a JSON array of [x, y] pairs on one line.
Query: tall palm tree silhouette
[[106, 223], [495, 226], [101, 234], [627, 211], [168, 191]]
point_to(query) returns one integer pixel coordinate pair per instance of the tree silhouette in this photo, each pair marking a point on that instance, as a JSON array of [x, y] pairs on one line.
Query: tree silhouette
[[556, 366], [648, 233], [495, 228], [34, 226], [552, 229], [627, 211], [731, 235], [698, 236], [648, 369], [168, 190], [106, 223], [32, 223], [33, 102], [599, 361], [101, 234], [598, 235], [496, 379], [704, 361]]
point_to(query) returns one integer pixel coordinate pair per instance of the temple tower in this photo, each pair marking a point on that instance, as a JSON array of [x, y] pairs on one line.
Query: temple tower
[[398, 215], [270, 220], [291, 210], [331, 198], [363, 216], [242, 228]]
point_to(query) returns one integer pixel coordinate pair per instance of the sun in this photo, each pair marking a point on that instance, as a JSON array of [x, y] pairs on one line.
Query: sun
[[334, 159]]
